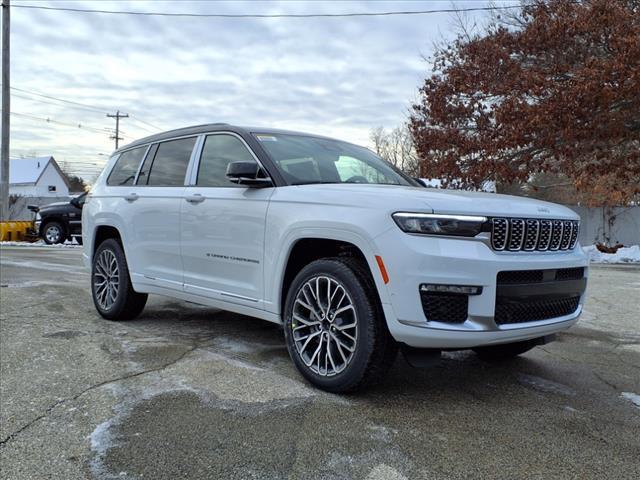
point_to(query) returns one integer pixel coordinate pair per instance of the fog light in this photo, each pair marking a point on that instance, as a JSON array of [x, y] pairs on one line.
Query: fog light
[[456, 289]]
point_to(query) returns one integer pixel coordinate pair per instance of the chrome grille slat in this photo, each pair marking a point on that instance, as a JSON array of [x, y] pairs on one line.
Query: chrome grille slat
[[533, 234], [499, 233], [574, 235], [545, 235], [556, 234], [516, 234], [567, 226]]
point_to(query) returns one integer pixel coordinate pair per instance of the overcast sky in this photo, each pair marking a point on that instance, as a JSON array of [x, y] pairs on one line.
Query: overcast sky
[[333, 76]]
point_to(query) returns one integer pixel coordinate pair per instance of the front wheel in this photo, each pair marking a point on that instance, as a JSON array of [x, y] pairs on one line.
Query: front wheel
[[113, 295], [335, 330], [53, 233]]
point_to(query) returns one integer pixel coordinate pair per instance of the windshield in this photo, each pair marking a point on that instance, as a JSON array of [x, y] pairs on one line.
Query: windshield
[[303, 160]]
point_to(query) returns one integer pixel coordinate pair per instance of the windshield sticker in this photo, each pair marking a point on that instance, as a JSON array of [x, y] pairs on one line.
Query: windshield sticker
[[266, 138]]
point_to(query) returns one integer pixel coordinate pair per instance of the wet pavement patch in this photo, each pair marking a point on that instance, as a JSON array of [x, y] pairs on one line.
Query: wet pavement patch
[[64, 334], [178, 432], [174, 433]]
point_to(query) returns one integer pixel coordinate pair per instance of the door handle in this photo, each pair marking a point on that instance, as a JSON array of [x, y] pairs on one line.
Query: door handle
[[195, 198], [131, 197]]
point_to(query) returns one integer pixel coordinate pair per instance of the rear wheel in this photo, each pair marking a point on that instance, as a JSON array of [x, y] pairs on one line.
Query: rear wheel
[[53, 233], [111, 288], [334, 326], [496, 353]]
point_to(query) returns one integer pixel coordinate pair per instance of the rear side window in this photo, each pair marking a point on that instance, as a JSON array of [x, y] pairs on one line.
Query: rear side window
[[170, 163], [218, 152], [124, 171]]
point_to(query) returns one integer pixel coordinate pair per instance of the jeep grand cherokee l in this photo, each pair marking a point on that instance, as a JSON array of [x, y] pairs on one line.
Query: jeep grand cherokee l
[[352, 257]]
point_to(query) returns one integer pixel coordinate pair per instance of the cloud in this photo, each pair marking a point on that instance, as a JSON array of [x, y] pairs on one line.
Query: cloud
[[337, 77]]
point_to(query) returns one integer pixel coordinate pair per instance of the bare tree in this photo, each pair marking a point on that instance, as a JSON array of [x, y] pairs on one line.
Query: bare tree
[[396, 147]]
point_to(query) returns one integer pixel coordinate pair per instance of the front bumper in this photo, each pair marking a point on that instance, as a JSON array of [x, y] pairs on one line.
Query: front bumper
[[412, 260]]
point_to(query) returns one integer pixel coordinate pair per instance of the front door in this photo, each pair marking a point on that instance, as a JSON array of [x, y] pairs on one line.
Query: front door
[[222, 227]]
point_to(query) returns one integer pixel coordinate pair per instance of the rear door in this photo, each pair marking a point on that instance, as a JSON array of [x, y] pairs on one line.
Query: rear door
[[222, 226], [155, 213]]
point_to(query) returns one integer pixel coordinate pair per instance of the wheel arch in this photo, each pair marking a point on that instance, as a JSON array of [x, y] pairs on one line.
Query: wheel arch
[[105, 232], [305, 249]]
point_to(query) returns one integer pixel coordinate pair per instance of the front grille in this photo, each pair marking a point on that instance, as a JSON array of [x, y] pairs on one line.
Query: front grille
[[508, 312], [532, 234], [537, 276], [444, 308]]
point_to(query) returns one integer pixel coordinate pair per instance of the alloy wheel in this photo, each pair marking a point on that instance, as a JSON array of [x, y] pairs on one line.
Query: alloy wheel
[[324, 325], [53, 234], [106, 279]]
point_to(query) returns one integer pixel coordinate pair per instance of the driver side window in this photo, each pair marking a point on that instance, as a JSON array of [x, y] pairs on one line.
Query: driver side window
[[220, 150]]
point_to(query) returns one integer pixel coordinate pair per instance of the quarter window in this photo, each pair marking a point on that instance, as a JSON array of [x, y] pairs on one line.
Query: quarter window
[[170, 163], [218, 152], [124, 171]]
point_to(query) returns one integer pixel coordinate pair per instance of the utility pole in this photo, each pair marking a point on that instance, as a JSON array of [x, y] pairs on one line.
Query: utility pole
[[6, 109], [117, 116]]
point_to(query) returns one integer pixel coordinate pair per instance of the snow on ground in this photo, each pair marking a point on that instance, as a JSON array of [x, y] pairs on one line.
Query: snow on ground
[[40, 243], [623, 255], [632, 397]]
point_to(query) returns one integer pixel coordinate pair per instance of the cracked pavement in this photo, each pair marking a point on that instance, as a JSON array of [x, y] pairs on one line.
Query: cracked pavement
[[190, 392]]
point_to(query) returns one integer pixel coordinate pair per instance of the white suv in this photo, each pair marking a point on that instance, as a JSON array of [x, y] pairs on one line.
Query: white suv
[[351, 256]]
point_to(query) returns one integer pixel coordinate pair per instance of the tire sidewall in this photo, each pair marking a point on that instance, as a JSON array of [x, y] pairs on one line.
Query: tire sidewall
[[365, 311], [123, 287]]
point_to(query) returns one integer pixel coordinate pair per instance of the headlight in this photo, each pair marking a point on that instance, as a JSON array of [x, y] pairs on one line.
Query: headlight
[[435, 224]]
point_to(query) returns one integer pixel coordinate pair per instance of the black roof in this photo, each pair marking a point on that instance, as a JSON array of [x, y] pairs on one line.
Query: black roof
[[210, 127]]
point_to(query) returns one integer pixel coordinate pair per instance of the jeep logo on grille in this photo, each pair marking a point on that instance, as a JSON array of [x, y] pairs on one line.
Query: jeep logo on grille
[[544, 210]]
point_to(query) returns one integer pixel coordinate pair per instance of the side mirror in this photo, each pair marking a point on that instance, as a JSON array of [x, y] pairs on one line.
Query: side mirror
[[74, 202], [247, 173]]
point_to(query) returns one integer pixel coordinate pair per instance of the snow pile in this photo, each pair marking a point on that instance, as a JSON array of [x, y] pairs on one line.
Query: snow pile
[[623, 255]]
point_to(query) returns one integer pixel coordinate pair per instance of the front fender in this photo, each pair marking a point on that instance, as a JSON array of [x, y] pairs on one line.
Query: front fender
[[278, 251]]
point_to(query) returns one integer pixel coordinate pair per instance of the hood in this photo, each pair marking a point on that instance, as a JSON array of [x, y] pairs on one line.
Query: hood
[[399, 198], [54, 205]]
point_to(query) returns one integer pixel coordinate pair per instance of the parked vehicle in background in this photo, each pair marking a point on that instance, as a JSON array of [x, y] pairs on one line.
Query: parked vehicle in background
[[60, 221], [352, 257]]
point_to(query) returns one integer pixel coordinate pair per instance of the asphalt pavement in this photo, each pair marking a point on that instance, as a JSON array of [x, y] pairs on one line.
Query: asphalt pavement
[[189, 392]]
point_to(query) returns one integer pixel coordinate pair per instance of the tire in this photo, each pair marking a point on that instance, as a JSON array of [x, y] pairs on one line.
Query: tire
[[496, 353], [109, 264], [361, 327], [53, 232]]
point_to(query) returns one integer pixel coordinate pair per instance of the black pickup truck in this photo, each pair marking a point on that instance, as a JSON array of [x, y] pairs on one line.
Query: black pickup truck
[[60, 221]]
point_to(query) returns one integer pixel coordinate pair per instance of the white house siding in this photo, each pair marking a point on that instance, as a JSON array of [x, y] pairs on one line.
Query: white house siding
[[50, 177]]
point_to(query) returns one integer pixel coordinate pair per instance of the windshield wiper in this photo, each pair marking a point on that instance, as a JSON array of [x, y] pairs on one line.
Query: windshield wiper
[[312, 182]]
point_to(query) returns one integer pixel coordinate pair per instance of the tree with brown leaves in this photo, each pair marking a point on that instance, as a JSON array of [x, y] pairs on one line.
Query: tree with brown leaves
[[554, 88]]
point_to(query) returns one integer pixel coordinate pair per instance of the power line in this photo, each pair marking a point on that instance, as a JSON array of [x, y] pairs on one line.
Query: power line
[[49, 120], [268, 15], [136, 119], [53, 103], [79, 105], [31, 92]]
